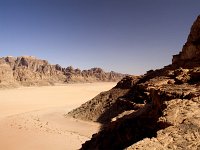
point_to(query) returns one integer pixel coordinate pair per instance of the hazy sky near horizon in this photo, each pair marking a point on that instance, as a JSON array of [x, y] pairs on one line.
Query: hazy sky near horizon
[[127, 36]]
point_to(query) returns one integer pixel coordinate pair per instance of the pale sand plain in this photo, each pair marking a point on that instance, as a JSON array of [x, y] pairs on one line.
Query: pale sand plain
[[33, 118]]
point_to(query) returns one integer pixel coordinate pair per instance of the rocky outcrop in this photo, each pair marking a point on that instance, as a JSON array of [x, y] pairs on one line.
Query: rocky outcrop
[[106, 105], [28, 71], [6, 75], [151, 108], [157, 111], [183, 132], [191, 49]]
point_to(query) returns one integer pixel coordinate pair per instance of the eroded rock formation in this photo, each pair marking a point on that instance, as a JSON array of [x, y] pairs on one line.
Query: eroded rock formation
[[157, 111], [28, 71], [106, 105], [190, 54]]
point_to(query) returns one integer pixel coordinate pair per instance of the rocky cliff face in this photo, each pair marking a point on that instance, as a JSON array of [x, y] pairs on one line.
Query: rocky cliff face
[[28, 70], [157, 111], [191, 49]]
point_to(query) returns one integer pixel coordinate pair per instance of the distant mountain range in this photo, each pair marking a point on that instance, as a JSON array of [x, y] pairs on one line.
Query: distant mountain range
[[30, 71]]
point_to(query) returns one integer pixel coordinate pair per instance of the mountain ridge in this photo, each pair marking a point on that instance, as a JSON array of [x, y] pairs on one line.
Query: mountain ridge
[[30, 71]]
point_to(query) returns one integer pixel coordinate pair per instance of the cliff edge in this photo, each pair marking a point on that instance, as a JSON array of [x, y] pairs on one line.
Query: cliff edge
[[190, 54], [157, 111]]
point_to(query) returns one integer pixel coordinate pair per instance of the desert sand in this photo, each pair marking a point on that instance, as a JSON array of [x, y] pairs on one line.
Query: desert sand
[[33, 118]]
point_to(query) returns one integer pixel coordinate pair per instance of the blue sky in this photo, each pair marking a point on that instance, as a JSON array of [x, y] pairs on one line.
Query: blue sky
[[128, 36]]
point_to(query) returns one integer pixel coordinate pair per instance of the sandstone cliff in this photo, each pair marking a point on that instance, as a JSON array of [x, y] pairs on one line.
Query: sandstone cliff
[[190, 54], [28, 71], [157, 111]]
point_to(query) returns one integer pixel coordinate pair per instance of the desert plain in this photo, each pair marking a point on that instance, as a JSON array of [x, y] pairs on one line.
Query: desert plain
[[34, 118]]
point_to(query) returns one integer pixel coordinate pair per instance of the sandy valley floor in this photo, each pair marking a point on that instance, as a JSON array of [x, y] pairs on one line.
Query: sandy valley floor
[[33, 118]]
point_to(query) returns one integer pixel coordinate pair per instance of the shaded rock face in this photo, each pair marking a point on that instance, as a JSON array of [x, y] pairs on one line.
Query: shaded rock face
[[106, 105], [184, 131], [6, 75], [191, 49], [151, 110], [28, 70], [157, 111]]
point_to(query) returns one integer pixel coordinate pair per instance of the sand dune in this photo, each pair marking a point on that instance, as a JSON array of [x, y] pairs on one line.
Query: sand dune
[[33, 118]]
